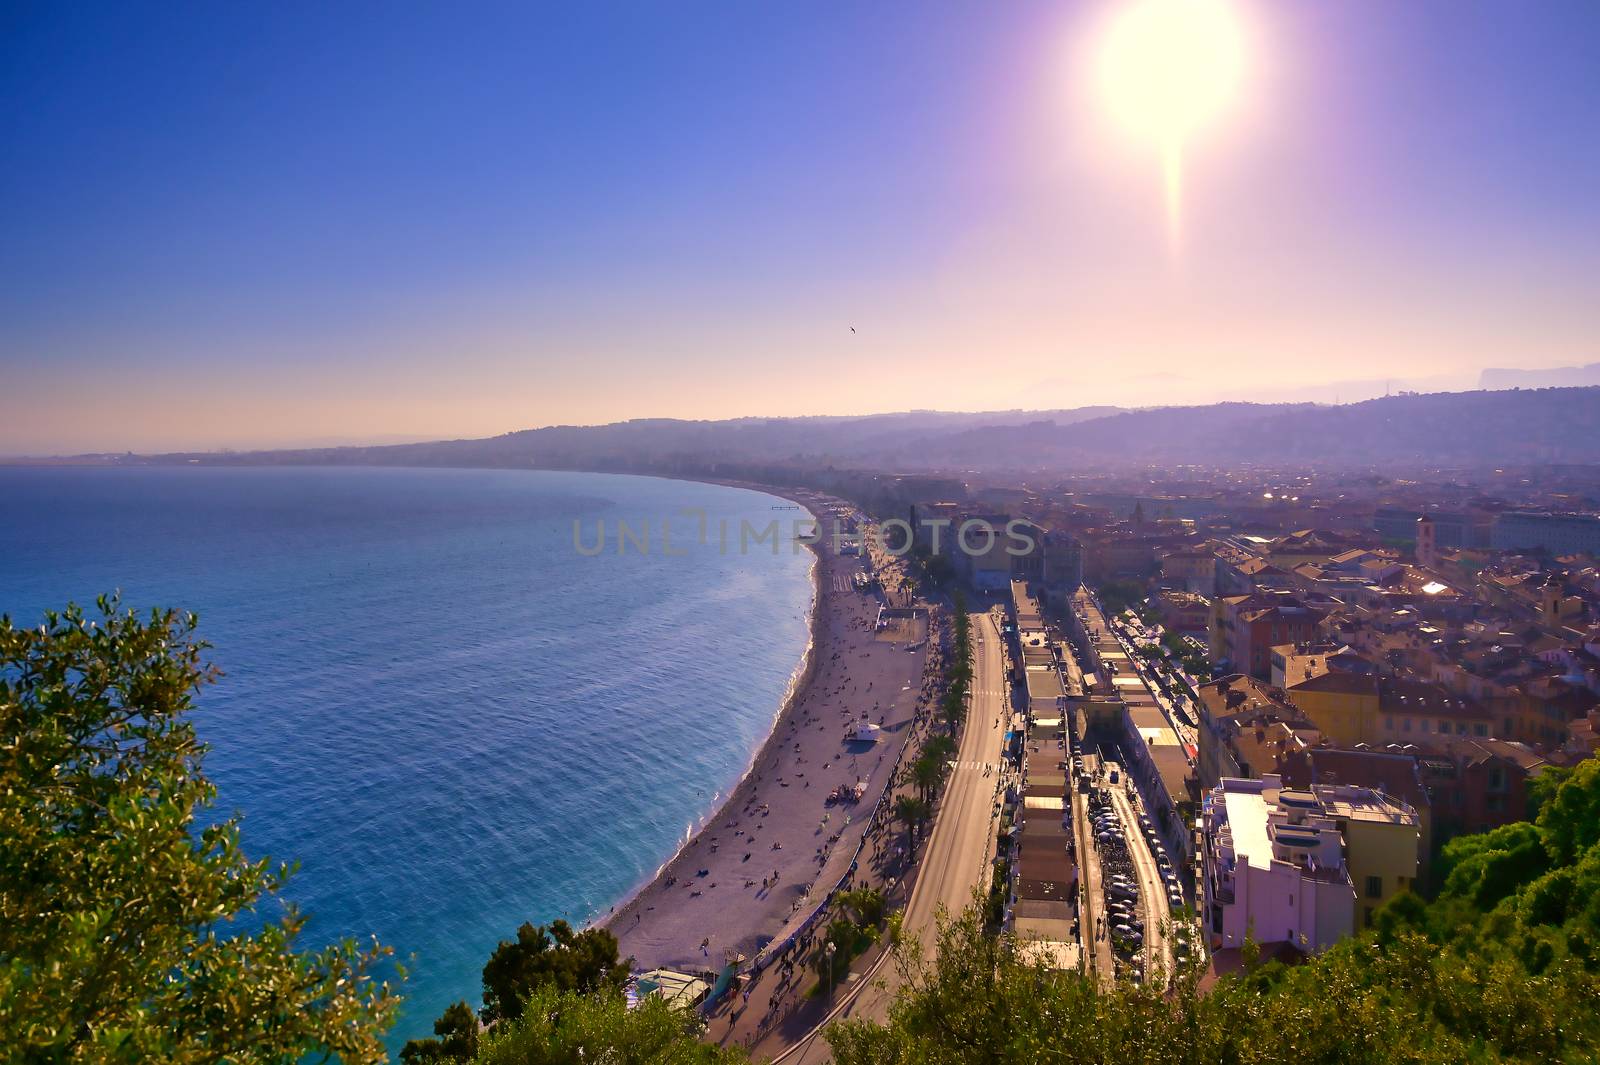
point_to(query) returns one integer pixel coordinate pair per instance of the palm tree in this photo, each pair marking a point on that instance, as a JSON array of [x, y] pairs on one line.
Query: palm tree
[[926, 773], [953, 708], [941, 747], [911, 812], [866, 903]]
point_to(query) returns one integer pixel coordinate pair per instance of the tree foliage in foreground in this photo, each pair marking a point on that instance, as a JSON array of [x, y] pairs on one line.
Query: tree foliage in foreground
[[130, 929], [542, 958], [559, 1027], [1363, 1002], [1503, 966], [455, 1039], [1527, 893], [549, 955]]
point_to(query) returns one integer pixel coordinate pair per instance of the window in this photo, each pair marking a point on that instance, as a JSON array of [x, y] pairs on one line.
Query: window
[[1405, 725], [1367, 915], [1388, 723], [1374, 887], [1480, 730]]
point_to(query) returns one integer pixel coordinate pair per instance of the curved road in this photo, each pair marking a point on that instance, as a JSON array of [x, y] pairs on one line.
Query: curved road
[[955, 860]]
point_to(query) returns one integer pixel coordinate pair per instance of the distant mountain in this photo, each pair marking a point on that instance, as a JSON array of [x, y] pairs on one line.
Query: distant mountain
[[1411, 430], [1473, 429], [1439, 429], [1553, 377], [878, 440]]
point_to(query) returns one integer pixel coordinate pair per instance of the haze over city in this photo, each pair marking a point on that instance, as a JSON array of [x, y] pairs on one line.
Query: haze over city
[[248, 229]]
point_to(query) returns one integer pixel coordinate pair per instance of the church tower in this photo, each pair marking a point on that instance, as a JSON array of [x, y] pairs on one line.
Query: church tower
[[1427, 544]]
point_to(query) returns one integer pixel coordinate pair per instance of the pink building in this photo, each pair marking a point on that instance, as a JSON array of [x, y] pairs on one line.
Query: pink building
[[1273, 868]]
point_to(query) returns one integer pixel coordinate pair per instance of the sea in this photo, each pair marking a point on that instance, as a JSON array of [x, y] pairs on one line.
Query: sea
[[456, 698]]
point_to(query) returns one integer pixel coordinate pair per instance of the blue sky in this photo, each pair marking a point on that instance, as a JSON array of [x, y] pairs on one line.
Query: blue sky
[[234, 225]]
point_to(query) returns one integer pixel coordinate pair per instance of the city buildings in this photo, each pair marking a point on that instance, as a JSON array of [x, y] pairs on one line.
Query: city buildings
[[1381, 685], [1184, 611], [1558, 534], [1296, 662], [1245, 628]]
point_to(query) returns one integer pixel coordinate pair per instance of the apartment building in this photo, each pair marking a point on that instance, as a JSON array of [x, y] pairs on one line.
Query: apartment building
[[1302, 866], [1351, 708], [1245, 628], [1268, 875]]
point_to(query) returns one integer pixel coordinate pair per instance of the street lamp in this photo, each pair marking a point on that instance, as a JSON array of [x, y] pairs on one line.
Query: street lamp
[[828, 952]]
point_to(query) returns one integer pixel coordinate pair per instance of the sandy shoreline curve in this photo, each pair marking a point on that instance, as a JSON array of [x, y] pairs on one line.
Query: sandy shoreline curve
[[799, 679], [769, 851]]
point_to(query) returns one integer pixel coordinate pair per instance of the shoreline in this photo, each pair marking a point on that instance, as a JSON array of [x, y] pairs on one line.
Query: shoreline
[[799, 680], [668, 919]]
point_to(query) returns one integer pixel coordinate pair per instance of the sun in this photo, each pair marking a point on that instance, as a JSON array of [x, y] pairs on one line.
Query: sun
[[1168, 69], [1171, 66]]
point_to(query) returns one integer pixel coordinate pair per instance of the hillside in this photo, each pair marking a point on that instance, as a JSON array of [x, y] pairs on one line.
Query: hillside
[[1552, 425]]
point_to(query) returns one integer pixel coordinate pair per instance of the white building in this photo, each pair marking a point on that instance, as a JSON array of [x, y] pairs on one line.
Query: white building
[[1274, 868]]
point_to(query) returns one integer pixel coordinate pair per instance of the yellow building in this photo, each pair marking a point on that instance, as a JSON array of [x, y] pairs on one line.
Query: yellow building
[[1382, 843], [1350, 709], [1343, 705]]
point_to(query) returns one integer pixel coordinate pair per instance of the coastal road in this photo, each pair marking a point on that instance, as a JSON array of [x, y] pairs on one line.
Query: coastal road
[[955, 860]]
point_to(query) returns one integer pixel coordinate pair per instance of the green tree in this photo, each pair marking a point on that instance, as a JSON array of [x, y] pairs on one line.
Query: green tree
[[1543, 787], [940, 570], [456, 1033], [953, 708], [1364, 1002], [940, 747], [927, 773], [847, 940], [549, 955], [560, 1027], [132, 928], [1528, 894], [911, 812], [1569, 820], [1117, 596], [868, 905], [1483, 869]]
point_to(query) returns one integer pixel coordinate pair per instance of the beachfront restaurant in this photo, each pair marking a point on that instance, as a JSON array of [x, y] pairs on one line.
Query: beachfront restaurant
[[682, 991]]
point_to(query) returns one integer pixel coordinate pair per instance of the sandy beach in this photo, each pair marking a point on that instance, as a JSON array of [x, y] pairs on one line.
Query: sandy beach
[[776, 846]]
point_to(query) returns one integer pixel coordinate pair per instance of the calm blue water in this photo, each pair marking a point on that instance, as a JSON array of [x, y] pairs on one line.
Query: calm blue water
[[453, 720]]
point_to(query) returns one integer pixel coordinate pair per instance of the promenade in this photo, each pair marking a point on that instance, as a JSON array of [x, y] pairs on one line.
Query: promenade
[[775, 847], [954, 863]]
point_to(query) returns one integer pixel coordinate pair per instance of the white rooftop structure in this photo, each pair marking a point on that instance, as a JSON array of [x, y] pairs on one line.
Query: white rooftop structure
[[1273, 868]]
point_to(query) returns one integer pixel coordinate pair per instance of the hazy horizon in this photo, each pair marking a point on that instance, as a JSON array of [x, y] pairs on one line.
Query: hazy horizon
[[234, 230], [1355, 392]]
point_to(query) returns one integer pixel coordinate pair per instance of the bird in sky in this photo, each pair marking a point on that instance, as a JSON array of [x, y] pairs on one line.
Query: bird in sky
[[852, 329]]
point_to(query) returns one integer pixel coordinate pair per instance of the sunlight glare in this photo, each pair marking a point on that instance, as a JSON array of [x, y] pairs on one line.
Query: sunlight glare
[[1167, 69]]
